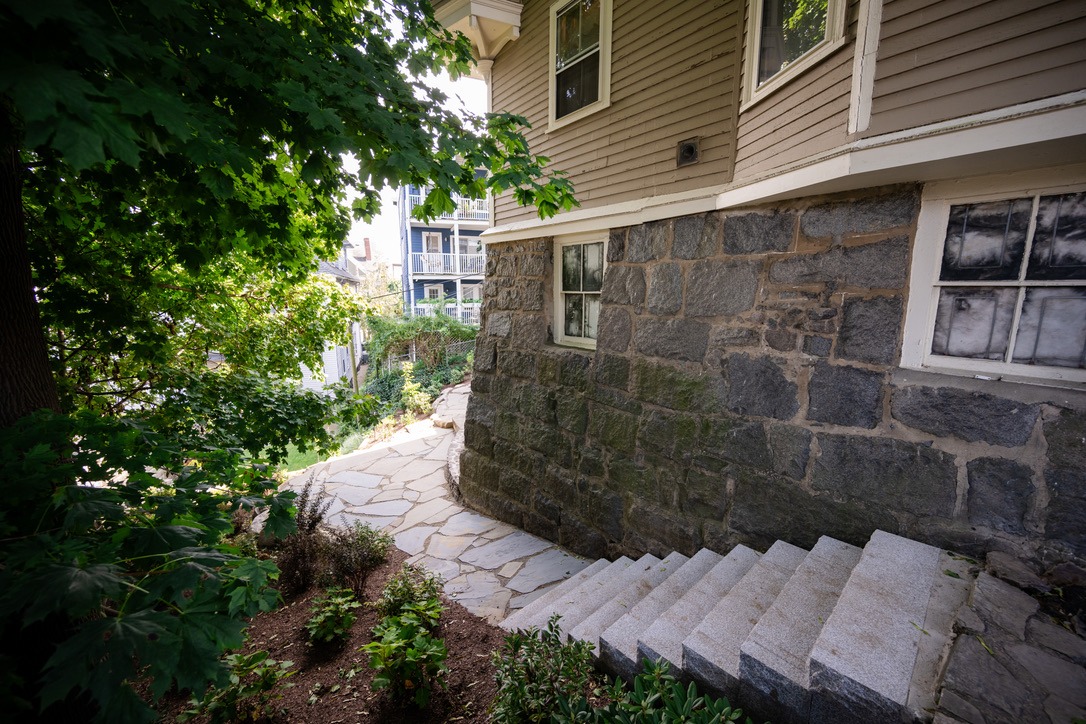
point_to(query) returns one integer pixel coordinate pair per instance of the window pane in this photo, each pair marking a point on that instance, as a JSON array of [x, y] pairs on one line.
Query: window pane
[[593, 267], [591, 315], [986, 242], [578, 85], [974, 322], [1059, 243], [569, 35], [590, 23], [789, 29], [1052, 328], [574, 315], [571, 268]]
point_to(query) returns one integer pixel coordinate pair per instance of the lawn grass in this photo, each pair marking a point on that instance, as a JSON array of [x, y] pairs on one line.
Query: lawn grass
[[298, 460]]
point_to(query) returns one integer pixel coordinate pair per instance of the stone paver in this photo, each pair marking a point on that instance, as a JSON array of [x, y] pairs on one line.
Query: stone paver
[[399, 485]]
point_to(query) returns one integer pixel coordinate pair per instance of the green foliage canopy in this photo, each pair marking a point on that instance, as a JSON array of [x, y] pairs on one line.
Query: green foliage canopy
[[184, 162]]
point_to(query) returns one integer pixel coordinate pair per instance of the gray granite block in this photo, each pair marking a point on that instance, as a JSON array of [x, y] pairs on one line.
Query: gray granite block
[[618, 644], [664, 638], [540, 608], [773, 659], [711, 651], [862, 663], [590, 629], [596, 593]]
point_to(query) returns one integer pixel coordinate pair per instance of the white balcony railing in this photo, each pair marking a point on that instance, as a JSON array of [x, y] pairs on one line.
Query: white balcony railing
[[434, 263], [466, 313], [466, 209]]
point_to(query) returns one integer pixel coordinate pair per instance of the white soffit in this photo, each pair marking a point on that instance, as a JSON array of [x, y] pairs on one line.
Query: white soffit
[[489, 24]]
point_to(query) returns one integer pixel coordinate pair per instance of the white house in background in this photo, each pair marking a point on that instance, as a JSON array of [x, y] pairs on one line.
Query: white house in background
[[339, 362], [443, 260]]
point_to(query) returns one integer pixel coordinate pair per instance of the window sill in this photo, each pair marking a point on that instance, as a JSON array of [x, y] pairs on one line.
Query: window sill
[[1025, 391], [586, 346], [559, 123], [814, 56]]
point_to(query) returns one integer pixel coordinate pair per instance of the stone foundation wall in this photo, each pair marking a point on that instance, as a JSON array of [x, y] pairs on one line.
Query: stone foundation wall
[[745, 389]]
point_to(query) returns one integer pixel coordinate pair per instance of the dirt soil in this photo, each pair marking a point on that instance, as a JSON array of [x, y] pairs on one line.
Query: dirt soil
[[322, 668]]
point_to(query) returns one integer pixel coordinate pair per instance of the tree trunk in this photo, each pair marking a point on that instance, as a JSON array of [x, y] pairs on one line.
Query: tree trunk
[[26, 380]]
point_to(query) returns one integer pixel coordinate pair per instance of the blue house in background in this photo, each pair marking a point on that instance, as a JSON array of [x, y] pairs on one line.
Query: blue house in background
[[443, 261]]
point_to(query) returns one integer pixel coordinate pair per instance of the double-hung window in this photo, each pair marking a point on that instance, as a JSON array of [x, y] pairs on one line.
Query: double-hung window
[[784, 37], [578, 282], [999, 285], [580, 59]]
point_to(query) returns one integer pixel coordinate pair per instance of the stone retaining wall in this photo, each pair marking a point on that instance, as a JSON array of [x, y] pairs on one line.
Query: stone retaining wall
[[744, 389]]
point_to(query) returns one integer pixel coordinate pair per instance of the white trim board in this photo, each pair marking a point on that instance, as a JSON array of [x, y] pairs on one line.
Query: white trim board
[[926, 153]]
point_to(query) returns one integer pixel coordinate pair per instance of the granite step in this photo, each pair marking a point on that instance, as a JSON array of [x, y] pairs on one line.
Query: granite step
[[664, 638], [618, 644], [539, 611], [710, 653], [594, 593], [773, 661], [597, 622], [863, 662]]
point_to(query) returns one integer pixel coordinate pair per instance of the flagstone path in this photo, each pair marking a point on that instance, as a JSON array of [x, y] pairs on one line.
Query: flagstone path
[[399, 485]]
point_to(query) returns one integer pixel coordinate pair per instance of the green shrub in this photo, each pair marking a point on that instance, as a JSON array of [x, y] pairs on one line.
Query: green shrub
[[354, 551], [301, 557], [255, 681], [412, 585], [332, 615], [407, 658], [414, 398], [656, 698], [536, 671]]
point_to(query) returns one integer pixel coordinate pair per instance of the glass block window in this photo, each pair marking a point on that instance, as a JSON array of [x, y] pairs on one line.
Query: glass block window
[[579, 283], [580, 63], [1011, 285]]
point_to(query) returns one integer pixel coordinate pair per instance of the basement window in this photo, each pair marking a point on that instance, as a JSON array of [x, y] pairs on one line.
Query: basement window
[[578, 283], [999, 285]]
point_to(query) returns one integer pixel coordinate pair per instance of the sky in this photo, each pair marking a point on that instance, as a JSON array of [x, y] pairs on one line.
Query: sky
[[383, 232]]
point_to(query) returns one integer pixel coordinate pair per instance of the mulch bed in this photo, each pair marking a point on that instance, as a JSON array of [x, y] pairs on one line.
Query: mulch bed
[[311, 700]]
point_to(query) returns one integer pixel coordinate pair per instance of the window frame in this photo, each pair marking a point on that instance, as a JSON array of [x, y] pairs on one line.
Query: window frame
[[835, 39], [924, 282], [604, 97], [427, 288], [428, 236], [558, 300]]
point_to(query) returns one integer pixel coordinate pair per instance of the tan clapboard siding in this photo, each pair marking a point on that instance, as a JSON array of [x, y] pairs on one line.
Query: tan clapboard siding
[[806, 116], [673, 77], [959, 57], [1018, 49]]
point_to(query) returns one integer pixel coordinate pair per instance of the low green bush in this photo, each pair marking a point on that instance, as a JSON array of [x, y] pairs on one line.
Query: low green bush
[[255, 683], [536, 671], [656, 698], [332, 615], [412, 585], [353, 552], [302, 553], [407, 658]]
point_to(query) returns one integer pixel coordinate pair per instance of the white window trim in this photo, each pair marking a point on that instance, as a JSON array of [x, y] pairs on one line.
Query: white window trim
[[835, 39], [927, 260], [557, 303], [426, 291], [554, 123], [427, 236]]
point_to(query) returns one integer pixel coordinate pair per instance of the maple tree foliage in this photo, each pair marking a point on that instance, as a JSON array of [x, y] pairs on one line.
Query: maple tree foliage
[[182, 164], [171, 171]]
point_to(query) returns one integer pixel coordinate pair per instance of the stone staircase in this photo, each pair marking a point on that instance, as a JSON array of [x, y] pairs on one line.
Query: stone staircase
[[836, 634]]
